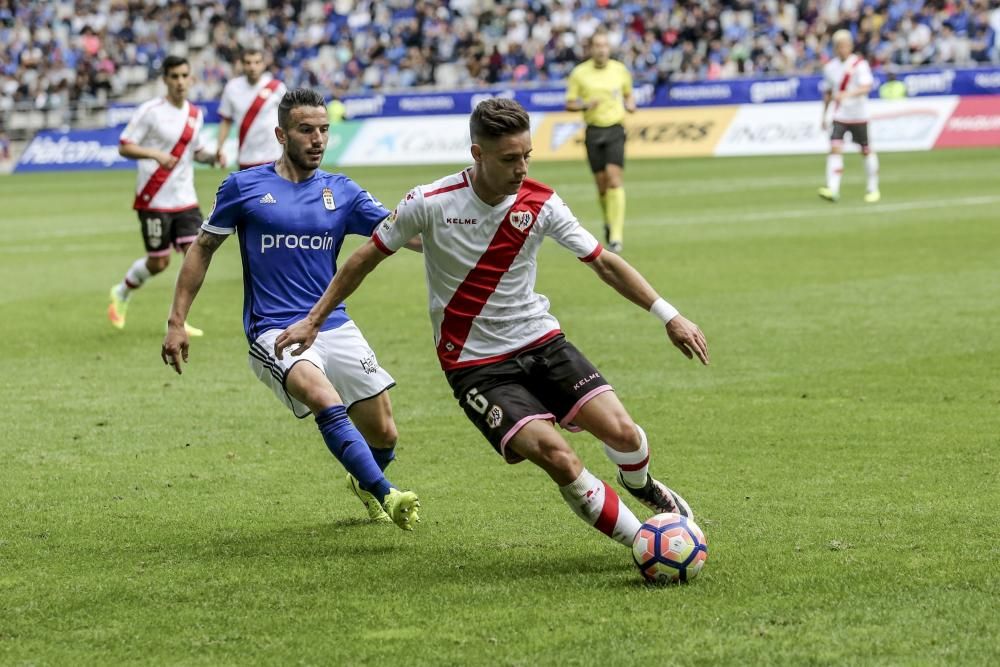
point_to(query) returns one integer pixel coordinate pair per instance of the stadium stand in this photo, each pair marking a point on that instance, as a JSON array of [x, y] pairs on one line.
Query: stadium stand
[[62, 58]]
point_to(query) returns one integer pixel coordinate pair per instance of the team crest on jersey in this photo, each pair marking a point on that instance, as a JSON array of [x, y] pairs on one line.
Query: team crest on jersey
[[265, 93], [521, 220], [494, 417], [328, 199], [191, 122]]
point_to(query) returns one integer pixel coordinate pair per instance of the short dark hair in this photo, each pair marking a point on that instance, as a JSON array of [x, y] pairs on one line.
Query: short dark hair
[[497, 117], [171, 62], [300, 97], [251, 51]]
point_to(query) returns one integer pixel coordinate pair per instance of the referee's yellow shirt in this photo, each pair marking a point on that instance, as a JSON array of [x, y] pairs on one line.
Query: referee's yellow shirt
[[609, 85]]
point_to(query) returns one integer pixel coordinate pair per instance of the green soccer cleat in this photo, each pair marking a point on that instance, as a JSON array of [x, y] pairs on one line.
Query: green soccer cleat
[[873, 197], [193, 332], [117, 309], [828, 194], [375, 511], [403, 507]]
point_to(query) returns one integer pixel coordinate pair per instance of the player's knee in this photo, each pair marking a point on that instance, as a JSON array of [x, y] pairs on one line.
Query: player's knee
[[157, 264], [384, 435], [318, 398], [621, 434], [559, 457]]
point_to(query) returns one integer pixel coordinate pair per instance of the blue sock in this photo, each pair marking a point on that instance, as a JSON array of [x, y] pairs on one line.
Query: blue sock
[[384, 456], [351, 450]]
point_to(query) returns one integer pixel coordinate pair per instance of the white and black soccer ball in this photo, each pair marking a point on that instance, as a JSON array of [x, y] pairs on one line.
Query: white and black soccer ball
[[669, 548]]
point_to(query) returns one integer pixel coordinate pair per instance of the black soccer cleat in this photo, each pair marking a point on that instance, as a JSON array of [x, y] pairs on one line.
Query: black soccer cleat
[[659, 498]]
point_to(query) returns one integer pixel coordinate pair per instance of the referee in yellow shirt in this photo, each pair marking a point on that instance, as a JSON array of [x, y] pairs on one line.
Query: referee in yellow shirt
[[602, 89]]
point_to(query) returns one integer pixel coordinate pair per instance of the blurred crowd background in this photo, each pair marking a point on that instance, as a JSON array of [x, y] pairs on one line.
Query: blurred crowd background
[[63, 56]]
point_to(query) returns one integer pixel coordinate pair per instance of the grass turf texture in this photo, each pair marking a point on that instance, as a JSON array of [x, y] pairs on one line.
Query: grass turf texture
[[841, 452]]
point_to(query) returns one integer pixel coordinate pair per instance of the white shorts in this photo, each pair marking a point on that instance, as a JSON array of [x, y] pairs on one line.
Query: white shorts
[[342, 354]]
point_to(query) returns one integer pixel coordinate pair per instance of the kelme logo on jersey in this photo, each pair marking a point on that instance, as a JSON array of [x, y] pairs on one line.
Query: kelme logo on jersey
[[328, 199], [295, 242], [521, 219]]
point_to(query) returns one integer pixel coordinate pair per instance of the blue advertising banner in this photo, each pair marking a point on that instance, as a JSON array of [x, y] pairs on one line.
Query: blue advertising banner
[[52, 150], [982, 81]]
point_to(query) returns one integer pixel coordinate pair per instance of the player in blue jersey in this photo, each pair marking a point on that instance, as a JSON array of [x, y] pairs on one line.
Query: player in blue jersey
[[291, 219]]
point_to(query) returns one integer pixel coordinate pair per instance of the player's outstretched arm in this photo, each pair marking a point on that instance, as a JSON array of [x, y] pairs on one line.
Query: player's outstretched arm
[[348, 278], [189, 281], [683, 333]]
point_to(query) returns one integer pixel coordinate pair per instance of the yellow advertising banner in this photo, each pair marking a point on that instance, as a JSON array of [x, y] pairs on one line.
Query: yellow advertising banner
[[679, 132]]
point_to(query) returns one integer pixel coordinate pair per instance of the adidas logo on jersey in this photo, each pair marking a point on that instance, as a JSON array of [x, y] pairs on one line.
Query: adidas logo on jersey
[[268, 199]]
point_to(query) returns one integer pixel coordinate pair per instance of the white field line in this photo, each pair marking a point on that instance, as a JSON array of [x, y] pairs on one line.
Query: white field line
[[822, 211], [696, 186]]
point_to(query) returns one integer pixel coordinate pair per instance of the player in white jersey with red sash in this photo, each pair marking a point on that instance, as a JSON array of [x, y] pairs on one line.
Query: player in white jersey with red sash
[[847, 80], [511, 368], [251, 102], [163, 136]]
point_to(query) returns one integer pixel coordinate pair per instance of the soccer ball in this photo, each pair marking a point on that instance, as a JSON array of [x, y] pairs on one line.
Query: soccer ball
[[669, 548]]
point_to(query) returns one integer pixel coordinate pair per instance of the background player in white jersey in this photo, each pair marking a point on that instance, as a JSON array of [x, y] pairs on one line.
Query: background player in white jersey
[[250, 102], [291, 219], [847, 80], [510, 367], [163, 136]]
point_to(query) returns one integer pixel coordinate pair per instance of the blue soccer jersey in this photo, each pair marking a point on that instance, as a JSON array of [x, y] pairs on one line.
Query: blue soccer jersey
[[290, 235]]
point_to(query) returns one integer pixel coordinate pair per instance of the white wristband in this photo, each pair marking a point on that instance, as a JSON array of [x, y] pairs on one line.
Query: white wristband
[[663, 310]]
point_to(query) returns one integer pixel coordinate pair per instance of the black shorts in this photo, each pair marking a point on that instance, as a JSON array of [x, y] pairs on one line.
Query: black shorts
[[859, 132], [605, 145], [161, 230], [551, 381]]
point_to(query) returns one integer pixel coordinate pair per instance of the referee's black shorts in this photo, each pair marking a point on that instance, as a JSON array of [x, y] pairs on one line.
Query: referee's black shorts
[[605, 145]]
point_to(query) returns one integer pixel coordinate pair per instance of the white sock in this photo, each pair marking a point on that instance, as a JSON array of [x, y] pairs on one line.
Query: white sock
[[597, 503], [634, 466], [871, 168], [136, 275], [834, 170]]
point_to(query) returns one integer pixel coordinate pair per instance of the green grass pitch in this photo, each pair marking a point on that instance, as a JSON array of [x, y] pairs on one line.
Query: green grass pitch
[[841, 452]]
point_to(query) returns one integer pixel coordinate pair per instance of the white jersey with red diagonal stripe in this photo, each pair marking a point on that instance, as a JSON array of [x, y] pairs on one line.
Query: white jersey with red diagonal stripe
[[260, 145], [159, 124], [480, 263], [846, 76]]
